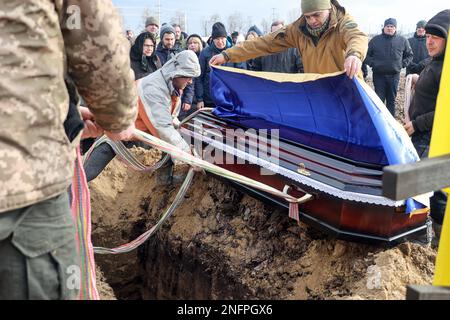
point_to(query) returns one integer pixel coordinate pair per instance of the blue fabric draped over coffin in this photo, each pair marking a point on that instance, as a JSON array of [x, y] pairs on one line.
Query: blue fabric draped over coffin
[[333, 114]]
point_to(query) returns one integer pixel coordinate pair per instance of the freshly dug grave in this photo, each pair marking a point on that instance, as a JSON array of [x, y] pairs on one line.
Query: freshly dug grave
[[223, 244]]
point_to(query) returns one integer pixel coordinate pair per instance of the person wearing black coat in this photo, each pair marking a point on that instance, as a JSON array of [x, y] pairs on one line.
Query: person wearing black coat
[[144, 60], [418, 45], [219, 42], [252, 33], [423, 105], [388, 54], [287, 61], [167, 48]]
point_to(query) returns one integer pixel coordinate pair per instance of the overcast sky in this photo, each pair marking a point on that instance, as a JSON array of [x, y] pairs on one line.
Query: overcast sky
[[370, 14]]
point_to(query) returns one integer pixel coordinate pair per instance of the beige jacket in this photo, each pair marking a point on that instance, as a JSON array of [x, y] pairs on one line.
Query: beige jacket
[[342, 39]]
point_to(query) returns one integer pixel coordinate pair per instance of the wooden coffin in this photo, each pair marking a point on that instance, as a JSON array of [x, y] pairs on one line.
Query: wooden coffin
[[348, 199]]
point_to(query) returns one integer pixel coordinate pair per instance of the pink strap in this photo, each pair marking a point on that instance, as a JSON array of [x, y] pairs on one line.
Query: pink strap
[[81, 214]]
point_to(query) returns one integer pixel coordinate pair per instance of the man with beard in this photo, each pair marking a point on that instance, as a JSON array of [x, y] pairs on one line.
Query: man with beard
[[326, 36], [423, 105], [167, 48], [180, 37]]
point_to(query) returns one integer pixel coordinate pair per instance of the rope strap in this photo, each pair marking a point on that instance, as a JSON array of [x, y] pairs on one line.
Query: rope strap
[[81, 214], [197, 162], [144, 237], [125, 156]]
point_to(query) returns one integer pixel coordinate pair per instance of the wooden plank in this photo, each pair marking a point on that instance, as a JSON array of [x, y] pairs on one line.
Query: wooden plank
[[405, 181], [427, 293]]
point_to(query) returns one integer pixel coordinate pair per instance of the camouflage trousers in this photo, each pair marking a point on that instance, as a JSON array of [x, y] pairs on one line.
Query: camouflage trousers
[[38, 255]]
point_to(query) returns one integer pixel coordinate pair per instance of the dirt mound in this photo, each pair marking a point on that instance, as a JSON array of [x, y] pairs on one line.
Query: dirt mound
[[222, 244], [104, 289]]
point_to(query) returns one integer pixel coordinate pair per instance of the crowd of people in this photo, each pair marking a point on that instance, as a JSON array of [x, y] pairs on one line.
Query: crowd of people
[[156, 45], [167, 72]]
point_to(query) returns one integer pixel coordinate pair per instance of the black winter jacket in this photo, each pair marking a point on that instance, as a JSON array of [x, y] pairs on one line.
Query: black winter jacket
[[165, 54], [423, 105], [202, 89], [421, 56], [288, 61], [142, 65], [389, 54]]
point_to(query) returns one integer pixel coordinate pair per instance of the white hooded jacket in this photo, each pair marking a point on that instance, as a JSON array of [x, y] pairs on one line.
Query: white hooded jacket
[[156, 91]]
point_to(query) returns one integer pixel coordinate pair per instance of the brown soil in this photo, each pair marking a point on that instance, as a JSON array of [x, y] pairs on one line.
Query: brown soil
[[104, 290], [222, 244]]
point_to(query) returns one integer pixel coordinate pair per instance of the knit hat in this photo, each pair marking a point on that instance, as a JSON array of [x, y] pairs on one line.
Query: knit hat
[[391, 22], [315, 5], [439, 24], [151, 20], [218, 31], [166, 28], [421, 24]]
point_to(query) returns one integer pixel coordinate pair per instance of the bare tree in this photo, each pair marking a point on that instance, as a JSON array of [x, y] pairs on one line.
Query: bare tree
[[208, 22], [248, 24], [205, 26], [145, 14], [235, 22], [265, 26], [214, 18], [294, 14], [179, 18], [121, 17]]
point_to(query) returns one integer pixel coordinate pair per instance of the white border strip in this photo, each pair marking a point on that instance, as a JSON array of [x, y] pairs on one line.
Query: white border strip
[[345, 195]]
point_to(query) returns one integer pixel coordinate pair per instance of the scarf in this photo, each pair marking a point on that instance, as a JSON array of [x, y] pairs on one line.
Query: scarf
[[317, 33]]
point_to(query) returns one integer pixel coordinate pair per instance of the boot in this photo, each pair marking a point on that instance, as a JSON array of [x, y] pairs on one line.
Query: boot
[[164, 175]]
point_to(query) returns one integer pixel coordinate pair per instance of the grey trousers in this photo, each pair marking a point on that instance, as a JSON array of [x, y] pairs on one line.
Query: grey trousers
[[38, 255]]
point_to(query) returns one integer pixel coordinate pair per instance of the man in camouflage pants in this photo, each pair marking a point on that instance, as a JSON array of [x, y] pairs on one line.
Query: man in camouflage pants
[[41, 41]]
